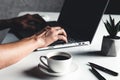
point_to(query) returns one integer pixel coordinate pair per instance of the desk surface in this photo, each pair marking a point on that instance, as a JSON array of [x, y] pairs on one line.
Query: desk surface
[[27, 69]]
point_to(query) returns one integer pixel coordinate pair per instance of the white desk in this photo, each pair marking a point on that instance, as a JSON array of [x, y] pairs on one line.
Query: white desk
[[27, 68]]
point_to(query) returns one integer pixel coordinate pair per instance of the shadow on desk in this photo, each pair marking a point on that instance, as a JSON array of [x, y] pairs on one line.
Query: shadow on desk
[[92, 53], [36, 73]]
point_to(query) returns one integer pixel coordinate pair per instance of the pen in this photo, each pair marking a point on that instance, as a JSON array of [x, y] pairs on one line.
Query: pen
[[98, 75], [103, 69]]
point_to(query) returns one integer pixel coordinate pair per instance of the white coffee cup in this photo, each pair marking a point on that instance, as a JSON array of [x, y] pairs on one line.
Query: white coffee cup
[[57, 61]]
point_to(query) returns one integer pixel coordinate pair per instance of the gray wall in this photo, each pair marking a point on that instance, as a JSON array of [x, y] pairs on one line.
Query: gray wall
[[10, 8]]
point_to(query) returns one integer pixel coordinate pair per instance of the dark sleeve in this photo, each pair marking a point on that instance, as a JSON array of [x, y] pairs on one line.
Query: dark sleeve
[[5, 24]]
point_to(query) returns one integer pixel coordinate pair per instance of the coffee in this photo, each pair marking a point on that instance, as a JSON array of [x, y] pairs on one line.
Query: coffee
[[59, 57], [57, 61]]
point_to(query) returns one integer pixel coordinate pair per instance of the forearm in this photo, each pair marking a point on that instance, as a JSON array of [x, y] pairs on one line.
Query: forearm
[[13, 52]]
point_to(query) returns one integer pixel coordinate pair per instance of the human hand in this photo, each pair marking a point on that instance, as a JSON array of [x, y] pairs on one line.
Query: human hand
[[28, 22], [49, 35]]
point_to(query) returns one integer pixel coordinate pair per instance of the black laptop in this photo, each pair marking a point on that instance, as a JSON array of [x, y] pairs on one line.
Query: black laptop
[[80, 19]]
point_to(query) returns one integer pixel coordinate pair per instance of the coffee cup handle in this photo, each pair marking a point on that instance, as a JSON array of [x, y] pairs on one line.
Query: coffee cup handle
[[41, 59]]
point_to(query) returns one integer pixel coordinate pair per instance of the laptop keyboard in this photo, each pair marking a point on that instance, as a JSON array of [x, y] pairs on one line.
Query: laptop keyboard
[[70, 40]]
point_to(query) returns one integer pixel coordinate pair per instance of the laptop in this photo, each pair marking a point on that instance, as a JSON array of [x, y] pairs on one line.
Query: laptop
[[80, 19], [3, 33]]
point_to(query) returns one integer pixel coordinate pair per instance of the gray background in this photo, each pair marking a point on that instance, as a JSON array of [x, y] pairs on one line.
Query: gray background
[[11, 8]]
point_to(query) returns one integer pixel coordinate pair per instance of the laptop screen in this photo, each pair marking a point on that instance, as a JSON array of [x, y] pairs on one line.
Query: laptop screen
[[80, 18]]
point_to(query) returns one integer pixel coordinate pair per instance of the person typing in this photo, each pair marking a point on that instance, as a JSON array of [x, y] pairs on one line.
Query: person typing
[[11, 53]]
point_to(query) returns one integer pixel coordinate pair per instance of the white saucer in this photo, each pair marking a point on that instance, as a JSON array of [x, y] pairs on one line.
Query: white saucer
[[73, 68]]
